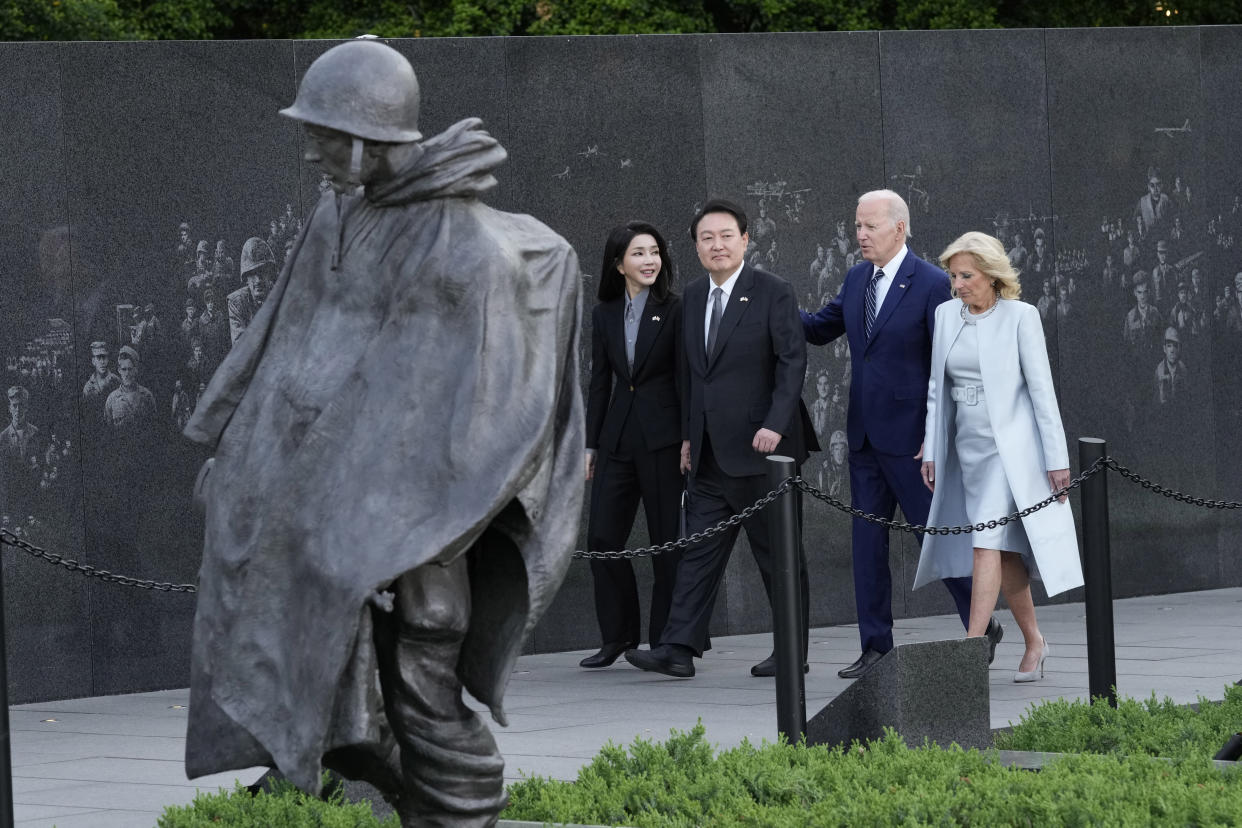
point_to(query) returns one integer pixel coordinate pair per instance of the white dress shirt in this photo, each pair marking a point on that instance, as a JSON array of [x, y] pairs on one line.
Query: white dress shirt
[[890, 271]]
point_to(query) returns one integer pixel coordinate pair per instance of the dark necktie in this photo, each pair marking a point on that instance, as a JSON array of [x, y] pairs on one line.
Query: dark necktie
[[714, 325], [869, 303]]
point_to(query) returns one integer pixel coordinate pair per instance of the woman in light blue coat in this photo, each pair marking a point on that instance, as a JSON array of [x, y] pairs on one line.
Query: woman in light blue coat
[[994, 444]]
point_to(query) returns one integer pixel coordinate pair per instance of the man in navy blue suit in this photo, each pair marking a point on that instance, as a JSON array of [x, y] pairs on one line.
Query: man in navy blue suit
[[886, 309]]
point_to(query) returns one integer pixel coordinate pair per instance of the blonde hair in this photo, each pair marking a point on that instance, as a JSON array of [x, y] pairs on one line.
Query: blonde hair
[[989, 255]]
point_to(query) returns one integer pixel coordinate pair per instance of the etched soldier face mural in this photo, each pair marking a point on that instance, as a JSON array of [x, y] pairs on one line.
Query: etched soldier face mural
[[128, 372], [1171, 351], [17, 408], [257, 280]]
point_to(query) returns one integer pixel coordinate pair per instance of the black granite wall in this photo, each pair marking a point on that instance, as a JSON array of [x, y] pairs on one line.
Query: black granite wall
[[1049, 139]]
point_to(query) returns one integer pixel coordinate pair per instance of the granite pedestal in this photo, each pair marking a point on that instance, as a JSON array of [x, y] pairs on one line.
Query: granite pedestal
[[935, 690]]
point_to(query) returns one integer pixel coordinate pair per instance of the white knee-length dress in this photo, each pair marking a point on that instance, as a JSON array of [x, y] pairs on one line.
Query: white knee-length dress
[[986, 486]]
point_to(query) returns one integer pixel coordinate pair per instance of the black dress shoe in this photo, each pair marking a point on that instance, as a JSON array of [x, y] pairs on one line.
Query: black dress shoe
[[607, 654], [767, 667], [668, 659], [995, 632], [861, 667]]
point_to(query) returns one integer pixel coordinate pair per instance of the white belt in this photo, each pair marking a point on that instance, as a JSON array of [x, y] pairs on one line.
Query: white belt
[[969, 394]]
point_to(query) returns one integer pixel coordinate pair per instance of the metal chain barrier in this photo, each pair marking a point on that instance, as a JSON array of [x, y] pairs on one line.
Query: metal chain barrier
[[1161, 490], [697, 537], [9, 539], [799, 483], [902, 526]]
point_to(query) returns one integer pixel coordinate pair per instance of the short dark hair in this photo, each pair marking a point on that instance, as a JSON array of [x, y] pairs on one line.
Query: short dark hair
[[612, 283], [718, 205]]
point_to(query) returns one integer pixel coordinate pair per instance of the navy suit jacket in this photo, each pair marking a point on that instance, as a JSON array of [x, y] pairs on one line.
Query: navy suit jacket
[[888, 384], [754, 379], [650, 391]]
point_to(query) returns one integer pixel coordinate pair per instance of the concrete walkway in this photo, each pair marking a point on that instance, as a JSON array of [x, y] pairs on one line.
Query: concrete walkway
[[115, 762]]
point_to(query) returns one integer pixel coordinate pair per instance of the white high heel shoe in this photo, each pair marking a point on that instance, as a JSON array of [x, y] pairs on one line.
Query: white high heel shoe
[[1020, 676]]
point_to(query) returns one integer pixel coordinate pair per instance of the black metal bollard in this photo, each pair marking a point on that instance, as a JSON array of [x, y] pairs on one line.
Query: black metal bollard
[[6, 757], [786, 599], [1097, 573], [1232, 751]]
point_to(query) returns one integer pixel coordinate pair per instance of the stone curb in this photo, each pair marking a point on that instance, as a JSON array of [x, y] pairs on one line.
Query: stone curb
[[1035, 760]]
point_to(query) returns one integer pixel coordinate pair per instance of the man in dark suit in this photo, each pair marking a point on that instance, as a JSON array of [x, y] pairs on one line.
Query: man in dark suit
[[745, 359], [886, 309]]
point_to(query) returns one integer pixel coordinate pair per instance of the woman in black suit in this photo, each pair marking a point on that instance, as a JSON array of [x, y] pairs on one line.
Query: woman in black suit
[[634, 430]]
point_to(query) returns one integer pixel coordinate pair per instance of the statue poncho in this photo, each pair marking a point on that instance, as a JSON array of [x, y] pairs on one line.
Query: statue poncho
[[409, 386]]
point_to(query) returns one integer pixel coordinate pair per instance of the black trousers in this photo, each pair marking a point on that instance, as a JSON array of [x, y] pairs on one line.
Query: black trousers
[[623, 478], [715, 496]]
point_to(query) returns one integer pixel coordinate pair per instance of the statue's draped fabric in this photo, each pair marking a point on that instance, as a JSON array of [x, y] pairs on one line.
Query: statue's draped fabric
[[409, 384]]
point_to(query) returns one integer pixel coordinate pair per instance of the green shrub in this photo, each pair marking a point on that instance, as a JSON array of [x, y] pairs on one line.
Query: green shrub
[[684, 783], [284, 807], [1156, 728]]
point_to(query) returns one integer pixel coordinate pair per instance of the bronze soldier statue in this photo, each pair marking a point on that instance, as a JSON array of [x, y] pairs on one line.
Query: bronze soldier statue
[[396, 481]]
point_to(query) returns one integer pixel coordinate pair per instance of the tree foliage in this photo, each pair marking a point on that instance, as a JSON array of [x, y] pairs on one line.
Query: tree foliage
[[110, 19], [201, 19], [60, 20]]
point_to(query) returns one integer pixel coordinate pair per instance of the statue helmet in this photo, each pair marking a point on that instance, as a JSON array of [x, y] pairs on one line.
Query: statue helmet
[[363, 88], [255, 253]]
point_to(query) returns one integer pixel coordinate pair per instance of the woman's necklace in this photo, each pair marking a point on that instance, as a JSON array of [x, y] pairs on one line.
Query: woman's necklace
[[973, 318]]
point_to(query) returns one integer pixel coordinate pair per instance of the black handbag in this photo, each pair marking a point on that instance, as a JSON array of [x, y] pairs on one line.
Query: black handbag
[[681, 514]]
